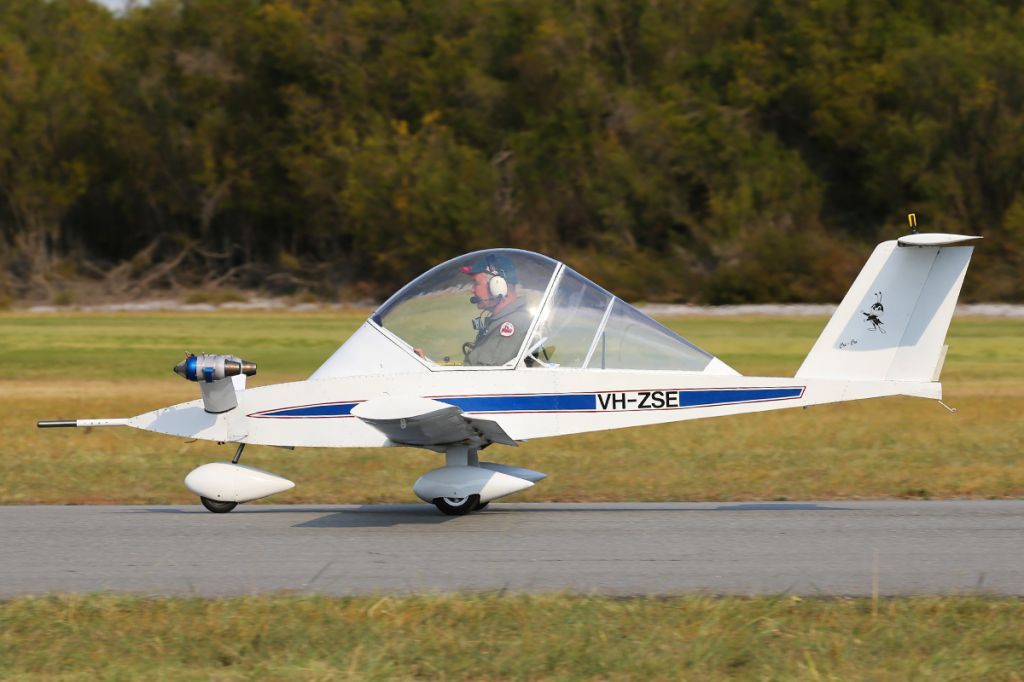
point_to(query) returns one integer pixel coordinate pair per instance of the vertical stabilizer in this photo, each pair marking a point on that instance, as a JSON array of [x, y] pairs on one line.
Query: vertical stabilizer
[[892, 324]]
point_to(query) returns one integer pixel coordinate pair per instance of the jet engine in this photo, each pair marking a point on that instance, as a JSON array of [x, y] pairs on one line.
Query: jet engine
[[218, 376], [213, 367]]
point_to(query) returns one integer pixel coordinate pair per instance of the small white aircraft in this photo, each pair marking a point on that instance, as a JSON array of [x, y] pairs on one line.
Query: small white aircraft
[[549, 353]]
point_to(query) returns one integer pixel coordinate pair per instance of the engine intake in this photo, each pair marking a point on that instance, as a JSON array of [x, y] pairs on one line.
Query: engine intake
[[210, 368]]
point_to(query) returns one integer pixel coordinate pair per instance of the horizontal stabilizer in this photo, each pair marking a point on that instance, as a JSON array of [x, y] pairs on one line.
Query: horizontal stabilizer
[[937, 239], [426, 422]]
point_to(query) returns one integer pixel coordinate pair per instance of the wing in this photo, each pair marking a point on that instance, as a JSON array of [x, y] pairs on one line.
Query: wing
[[429, 423]]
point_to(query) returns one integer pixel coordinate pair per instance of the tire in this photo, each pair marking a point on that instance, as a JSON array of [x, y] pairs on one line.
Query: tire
[[480, 506], [216, 506], [457, 506]]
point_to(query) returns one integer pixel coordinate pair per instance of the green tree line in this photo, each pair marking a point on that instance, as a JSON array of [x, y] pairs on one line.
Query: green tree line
[[695, 150]]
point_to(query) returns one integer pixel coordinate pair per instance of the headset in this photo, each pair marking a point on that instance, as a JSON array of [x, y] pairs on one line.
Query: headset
[[497, 285]]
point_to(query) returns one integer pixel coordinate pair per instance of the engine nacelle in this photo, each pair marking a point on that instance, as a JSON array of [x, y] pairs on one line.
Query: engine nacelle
[[211, 368]]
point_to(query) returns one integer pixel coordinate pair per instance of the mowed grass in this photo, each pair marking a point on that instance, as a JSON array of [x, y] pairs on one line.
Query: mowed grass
[[87, 365], [496, 637]]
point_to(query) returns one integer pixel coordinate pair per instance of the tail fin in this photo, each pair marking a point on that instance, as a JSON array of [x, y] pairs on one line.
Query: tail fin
[[892, 324]]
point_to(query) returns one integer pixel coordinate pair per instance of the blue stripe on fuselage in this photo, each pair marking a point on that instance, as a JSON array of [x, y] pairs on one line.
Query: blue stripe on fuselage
[[724, 396], [572, 402], [326, 410], [564, 402]]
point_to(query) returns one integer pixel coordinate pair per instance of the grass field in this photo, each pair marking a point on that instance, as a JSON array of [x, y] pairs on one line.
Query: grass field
[[494, 637], [88, 365]]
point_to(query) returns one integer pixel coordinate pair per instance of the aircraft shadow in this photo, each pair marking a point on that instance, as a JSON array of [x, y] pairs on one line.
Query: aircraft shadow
[[390, 515], [240, 510], [366, 516], [779, 506], [754, 506], [380, 516]]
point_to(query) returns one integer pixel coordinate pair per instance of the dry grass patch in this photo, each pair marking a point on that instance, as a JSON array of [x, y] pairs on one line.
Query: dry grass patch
[[510, 637]]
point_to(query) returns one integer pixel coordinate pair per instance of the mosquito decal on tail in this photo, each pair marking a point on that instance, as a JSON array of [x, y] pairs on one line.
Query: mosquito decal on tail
[[874, 318], [876, 322]]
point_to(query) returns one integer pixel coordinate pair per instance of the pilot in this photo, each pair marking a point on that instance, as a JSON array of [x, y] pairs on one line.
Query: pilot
[[504, 319]]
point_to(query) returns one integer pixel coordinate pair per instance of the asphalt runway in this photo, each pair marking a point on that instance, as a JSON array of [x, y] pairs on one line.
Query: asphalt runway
[[810, 548]]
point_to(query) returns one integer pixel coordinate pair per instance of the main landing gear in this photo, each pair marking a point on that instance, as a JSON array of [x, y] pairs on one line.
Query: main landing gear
[[460, 506], [465, 484]]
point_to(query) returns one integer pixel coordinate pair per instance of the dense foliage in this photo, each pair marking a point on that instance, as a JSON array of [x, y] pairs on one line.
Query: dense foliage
[[702, 150]]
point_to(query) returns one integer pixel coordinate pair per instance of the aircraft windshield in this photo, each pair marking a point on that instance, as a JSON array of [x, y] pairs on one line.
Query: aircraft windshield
[[584, 326], [479, 309], [435, 316]]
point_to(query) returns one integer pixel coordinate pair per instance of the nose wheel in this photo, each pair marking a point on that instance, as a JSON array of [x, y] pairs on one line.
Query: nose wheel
[[457, 506], [217, 506]]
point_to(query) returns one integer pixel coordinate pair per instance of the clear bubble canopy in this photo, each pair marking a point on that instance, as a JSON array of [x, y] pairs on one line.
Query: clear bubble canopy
[[551, 315]]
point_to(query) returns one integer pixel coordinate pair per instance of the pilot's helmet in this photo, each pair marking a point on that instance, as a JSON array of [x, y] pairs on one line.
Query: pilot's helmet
[[495, 265]]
